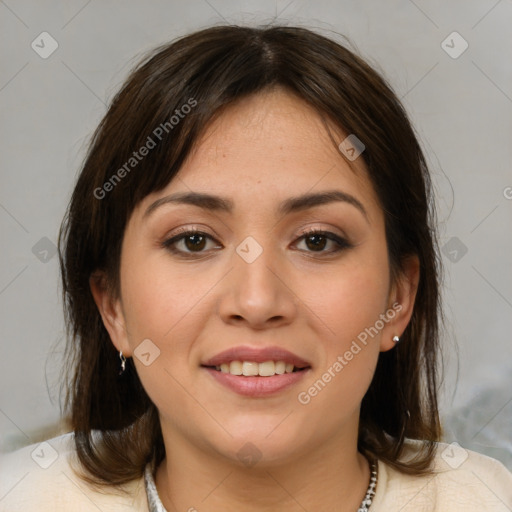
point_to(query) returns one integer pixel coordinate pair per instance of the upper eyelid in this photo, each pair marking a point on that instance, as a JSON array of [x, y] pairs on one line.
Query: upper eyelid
[[181, 234], [194, 229], [185, 231]]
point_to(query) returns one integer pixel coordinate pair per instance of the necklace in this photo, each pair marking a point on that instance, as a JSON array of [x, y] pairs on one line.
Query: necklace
[[370, 493], [155, 504]]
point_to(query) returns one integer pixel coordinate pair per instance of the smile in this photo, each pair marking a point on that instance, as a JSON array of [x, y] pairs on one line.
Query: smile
[[253, 369]]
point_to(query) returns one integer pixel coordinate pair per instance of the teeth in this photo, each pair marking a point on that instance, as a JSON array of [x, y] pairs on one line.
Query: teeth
[[235, 368], [252, 369], [249, 369], [280, 367], [267, 369]]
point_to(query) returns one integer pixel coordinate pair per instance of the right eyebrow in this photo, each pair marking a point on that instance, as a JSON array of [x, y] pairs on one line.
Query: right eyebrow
[[205, 201]]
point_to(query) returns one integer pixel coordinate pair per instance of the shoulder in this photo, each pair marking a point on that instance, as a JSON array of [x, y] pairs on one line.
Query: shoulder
[[42, 477], [462, 480]]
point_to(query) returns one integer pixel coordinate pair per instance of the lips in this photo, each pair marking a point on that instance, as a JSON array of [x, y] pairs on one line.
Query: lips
[[258, 372]]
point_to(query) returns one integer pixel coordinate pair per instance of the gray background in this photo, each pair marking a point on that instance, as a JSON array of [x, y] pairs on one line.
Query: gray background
[[461, 107]]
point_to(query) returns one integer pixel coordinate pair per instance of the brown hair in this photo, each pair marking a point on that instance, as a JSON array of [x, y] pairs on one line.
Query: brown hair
[[208, 70]]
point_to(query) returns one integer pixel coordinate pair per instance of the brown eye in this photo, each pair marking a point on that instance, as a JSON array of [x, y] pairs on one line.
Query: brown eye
[[189, 242], [195, 242], [316, 242]]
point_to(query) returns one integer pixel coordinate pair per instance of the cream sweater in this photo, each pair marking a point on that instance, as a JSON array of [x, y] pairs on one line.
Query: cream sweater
[[39, 478]]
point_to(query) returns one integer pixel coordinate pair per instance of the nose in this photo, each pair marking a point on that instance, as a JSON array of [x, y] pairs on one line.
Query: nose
[[258, 293]]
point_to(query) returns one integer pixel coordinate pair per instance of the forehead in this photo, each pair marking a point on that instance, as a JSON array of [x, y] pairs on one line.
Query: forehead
[[268, 147], [275, 127]]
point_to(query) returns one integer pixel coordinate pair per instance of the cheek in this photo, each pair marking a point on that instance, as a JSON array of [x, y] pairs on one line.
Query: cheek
[[166, 307], [159, 298], [349, 303], [349, 298]]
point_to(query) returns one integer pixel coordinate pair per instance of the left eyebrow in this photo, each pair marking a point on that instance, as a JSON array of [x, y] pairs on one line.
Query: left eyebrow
[[305, 201], [290, 205]]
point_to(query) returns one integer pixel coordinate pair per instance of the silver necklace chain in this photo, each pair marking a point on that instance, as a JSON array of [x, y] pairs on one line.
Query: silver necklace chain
[[155, 504]]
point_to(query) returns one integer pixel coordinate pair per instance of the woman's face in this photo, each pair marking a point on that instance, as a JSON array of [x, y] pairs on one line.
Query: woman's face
[[252, 292]]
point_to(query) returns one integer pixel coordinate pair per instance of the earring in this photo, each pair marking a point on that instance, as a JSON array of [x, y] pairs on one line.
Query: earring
[[396, 340], [123, 362]]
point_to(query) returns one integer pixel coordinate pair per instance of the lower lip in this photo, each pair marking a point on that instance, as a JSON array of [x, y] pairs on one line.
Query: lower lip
[[257, 386]]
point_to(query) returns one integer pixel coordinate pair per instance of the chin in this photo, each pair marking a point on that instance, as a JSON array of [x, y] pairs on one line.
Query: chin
[[263, 445]]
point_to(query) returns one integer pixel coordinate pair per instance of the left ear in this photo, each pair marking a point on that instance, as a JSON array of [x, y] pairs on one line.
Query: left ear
[[401, 302]]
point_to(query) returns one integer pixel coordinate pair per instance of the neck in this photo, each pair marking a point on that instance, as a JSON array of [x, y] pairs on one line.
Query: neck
[[330, 477]]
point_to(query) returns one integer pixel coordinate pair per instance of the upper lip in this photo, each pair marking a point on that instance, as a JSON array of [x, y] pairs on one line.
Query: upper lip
[[256, 355]]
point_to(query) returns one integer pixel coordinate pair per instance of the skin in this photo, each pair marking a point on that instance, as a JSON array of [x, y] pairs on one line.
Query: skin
[[257, 153]]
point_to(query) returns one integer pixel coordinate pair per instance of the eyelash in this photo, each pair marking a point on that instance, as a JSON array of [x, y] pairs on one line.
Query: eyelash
[[169, 243]]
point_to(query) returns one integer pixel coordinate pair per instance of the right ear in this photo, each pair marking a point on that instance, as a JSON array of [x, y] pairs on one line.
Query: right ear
[[110, 311]]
